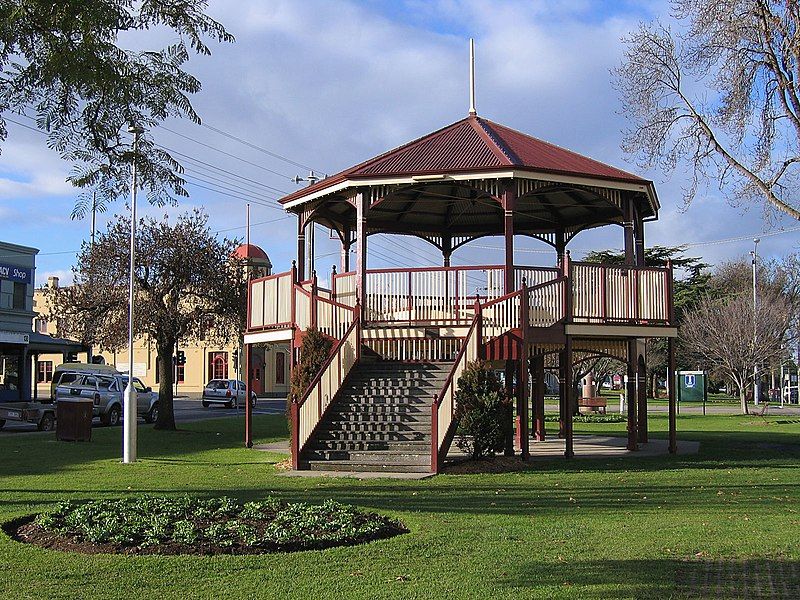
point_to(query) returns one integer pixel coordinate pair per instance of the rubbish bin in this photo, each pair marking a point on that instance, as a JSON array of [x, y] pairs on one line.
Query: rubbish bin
[[74, 420]]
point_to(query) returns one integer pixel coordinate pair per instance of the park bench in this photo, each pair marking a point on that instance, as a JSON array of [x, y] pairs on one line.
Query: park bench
[[592, 405]]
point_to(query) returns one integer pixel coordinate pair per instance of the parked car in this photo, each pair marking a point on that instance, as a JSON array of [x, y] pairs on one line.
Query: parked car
[[69, 372], [106, 393], [227, 392]]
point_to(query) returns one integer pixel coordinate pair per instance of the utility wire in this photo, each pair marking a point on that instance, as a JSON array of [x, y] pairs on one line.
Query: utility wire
[[259, 148]]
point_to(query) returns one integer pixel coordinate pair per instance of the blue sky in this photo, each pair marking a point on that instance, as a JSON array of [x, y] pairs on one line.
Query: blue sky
[[329, 84]]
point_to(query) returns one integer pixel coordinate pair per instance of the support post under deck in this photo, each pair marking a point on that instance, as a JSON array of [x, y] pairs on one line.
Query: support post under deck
[[569, 451], [641, 396], [673, 438], [562, 393], [248, 406], [538, 397], [630, 393]]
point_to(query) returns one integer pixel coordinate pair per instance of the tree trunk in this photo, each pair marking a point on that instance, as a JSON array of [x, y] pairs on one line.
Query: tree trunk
[[653, 392], [166, 410]]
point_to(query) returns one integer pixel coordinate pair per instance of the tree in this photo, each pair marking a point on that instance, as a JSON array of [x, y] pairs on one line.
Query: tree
[[721, 94], [724, 333], [188, 284], [62, 65]]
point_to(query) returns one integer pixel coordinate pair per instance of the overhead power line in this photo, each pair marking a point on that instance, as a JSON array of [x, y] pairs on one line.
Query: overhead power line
[[259, 148]]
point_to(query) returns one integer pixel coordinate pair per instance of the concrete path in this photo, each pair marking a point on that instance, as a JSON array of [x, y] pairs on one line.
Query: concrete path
[[595, 446]]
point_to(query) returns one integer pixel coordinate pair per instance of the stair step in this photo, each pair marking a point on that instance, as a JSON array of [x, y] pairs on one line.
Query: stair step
[[373, 436], [416, 409], [364, 467], [376, 426], [366, 417], [381, 457], [421, 447]]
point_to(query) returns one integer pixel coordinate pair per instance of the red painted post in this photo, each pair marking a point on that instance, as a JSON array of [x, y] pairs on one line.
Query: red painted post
[[569, 451], [509, 202], [313, 300], [333, 283], [479, 328], [301, 247], [630, 393], [673, 436], [538, 396], [248, 406]]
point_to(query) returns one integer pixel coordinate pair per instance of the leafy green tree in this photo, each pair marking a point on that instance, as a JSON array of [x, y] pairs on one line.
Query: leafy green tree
[[62, 65], [188, 284]]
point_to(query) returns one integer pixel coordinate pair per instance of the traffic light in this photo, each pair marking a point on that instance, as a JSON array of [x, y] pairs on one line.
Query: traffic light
[[181, 357], [235, 361]]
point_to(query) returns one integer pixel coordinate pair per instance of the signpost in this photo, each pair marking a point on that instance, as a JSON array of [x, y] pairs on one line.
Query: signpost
[[692, 386]]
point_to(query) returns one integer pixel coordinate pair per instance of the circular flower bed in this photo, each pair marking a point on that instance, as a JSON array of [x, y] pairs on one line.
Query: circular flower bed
[[185, 525]]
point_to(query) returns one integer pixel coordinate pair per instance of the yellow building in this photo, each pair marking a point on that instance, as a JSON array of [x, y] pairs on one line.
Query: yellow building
[[205, 360]]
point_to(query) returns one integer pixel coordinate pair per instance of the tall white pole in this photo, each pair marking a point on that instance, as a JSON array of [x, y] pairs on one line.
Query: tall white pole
[[756, 387], [129, 398], [472, 110]]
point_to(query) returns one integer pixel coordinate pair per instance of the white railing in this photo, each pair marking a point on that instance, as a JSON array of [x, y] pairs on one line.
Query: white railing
[[434, 295], [501, 315], [270, 301], [444, 404], [415, 349], [534, 276], [333, 318], [309, 409], [619, 294], [546, 303], [302, 308], [344, 288]]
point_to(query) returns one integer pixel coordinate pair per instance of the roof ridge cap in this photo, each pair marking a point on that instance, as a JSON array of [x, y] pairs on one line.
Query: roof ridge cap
[[513, 159]]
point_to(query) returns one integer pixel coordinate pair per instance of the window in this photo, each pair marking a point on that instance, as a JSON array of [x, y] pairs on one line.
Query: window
[[40, 325], [45, 372], [218, 365], [280, 368], [20, 290]]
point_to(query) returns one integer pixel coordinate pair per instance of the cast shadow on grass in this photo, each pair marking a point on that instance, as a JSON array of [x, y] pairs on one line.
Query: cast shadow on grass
[[43, 455], [663, 578]]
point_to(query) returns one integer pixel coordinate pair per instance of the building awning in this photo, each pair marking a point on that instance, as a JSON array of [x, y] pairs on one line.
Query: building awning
[[46, 344]]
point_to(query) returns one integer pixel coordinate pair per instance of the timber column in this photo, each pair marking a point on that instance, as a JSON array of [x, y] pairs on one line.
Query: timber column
[[248, 406], [301, 248], [362, 205], [630, 393], [538, 397]]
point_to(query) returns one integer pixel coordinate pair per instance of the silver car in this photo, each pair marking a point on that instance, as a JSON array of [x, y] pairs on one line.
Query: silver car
[[106, 393], [227, 392]]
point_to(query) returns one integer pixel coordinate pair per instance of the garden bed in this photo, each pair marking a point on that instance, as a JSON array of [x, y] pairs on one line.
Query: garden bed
[[164, 525]]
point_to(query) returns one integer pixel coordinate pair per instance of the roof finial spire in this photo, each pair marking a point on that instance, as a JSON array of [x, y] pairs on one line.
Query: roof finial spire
[[472, 110]]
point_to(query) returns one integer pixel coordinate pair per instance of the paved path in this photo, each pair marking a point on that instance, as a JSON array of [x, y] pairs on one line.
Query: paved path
[[187, 409]]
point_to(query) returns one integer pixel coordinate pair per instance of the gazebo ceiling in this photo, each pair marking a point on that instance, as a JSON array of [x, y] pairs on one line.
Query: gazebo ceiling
[[450, 181]]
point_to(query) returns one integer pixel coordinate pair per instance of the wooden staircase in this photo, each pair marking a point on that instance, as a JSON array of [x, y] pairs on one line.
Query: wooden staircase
[[380, 421]]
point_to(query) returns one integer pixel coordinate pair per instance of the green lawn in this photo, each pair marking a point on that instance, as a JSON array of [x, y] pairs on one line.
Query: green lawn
[[580, 529]]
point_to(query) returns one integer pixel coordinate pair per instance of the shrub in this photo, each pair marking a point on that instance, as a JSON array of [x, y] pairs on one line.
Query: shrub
[[481, 411], [314, 350]]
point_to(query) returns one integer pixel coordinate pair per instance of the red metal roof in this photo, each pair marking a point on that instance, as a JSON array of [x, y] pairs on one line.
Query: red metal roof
[[473, 144], [250, 251]]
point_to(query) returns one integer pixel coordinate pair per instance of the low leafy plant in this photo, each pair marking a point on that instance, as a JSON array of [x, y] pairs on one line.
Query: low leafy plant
[[481, 411], [215, 525]]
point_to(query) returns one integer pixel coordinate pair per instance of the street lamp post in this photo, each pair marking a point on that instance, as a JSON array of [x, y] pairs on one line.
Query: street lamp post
[[130, 399], [756, 387]]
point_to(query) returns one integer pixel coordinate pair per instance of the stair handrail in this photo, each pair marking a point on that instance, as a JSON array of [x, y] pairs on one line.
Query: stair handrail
[[470, 351], [303, 425]]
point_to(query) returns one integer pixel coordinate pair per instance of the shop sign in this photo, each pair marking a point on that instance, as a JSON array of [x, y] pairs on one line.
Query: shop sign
[[15, 273]]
